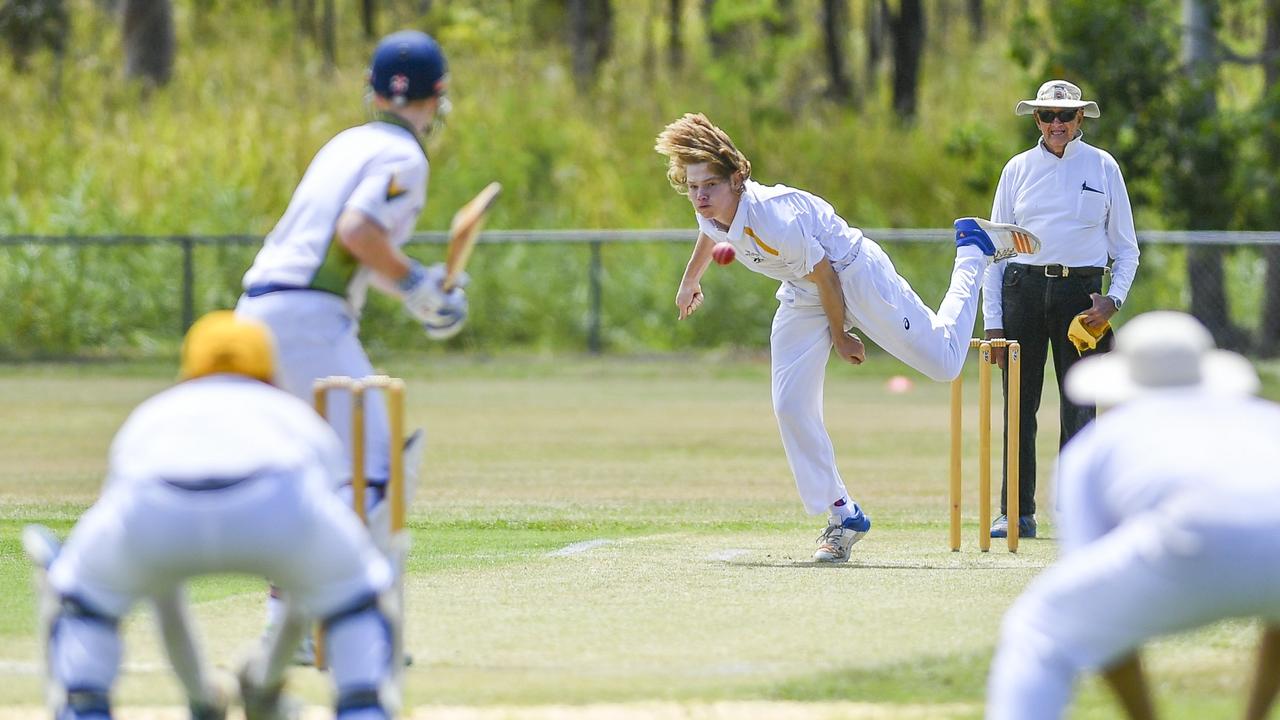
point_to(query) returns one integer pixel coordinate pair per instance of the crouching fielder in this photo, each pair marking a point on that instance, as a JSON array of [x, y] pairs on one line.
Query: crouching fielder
[[223, 473], [833, 278], [1168, 520]]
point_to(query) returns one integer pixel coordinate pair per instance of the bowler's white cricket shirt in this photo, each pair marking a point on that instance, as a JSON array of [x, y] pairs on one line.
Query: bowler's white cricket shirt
[[1077, 205], [782, 233], [379, 169]]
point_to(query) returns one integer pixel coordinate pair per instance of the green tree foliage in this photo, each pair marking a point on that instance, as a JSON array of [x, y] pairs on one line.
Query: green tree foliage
[[31, 25]]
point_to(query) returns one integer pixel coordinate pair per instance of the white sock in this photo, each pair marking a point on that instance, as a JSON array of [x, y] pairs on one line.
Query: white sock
[[841, 511]]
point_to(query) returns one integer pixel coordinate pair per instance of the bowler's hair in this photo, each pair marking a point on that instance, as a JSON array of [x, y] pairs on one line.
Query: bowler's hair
[[693, 139]]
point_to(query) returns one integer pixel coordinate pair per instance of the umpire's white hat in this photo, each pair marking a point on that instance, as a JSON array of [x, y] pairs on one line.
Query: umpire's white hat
[[1057, 94], [1156, 352]]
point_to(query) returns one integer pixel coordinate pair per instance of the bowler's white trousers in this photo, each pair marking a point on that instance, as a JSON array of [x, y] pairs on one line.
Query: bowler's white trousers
[[880, 303], [1163, 572], [316, 337]]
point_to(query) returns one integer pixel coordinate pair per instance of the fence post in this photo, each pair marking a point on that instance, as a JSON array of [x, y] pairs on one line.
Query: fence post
[[188, 284], [595, 317]]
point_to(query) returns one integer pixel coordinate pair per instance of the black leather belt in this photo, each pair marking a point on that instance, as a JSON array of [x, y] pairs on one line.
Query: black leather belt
[[1061, 271]]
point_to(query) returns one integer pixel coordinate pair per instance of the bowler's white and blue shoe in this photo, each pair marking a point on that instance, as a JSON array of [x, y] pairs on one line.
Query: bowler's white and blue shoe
[[999, 240], [837, 540]]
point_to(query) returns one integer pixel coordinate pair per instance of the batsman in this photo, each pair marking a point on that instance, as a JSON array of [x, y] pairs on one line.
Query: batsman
[[354, 208], [223, 473]]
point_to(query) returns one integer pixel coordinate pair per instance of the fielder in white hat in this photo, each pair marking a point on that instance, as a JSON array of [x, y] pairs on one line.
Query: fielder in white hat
[[1167, 518], [1072, 196]]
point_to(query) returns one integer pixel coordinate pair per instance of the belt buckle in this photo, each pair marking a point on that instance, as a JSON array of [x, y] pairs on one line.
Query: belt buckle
[[1063, 271]]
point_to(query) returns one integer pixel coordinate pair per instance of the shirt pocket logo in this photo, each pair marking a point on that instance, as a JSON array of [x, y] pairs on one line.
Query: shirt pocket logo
[[1091, 205]]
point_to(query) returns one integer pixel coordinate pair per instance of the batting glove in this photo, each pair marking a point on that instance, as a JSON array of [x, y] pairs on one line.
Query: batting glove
[[447, 321], [423, 292]]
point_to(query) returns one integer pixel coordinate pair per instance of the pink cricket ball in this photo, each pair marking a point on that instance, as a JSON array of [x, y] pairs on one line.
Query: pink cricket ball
[[722, 253]]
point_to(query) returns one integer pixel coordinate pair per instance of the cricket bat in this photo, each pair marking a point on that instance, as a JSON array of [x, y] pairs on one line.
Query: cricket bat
[[464, 230]]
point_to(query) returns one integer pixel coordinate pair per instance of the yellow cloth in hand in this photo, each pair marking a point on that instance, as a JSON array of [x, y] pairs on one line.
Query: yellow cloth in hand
[[1084, 338]]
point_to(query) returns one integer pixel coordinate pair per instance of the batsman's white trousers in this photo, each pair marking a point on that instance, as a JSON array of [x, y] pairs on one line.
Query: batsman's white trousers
[[143, 538], [1160, 573], [879, 302], [316, 336]]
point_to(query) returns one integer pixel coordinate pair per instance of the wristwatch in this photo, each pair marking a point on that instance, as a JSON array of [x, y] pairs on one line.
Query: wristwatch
[[1118, 302]]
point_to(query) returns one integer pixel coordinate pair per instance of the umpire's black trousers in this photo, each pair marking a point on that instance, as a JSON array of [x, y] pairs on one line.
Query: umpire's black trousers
[[1039, 302]]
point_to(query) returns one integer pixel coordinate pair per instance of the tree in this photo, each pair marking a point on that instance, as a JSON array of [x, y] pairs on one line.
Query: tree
[[304, 14], [719, 38], [977, 19], [675, 47], [835, 26], [1206, 160], [1269, 333], [329, 35], [907, 27], [782, 21], [369, 18], [876, 27], [590, 37], [29, 25], [149, 44]]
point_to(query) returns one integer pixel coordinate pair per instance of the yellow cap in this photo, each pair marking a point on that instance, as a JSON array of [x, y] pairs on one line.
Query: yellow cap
[[223, 342], [1084, 338]]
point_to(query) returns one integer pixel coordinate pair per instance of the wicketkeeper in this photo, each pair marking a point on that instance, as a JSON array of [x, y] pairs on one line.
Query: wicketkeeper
[[223, 473]]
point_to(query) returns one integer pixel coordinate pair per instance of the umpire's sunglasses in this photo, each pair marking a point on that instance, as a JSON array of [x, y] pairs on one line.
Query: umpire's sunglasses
[[1066, 116]]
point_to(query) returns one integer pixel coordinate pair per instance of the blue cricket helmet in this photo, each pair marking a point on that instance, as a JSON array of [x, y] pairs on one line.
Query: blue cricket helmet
[[408, 65]]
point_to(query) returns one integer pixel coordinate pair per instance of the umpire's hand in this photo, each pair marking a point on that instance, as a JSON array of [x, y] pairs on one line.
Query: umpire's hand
[[1101, 311]]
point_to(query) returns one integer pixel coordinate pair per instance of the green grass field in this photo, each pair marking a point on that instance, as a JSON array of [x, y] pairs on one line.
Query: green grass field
[[620, 538]]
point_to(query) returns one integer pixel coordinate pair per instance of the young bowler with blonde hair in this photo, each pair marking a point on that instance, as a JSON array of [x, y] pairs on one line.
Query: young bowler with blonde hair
[[833, 278]]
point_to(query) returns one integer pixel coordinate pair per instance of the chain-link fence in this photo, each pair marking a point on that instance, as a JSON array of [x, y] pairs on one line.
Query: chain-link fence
[[555, 290]]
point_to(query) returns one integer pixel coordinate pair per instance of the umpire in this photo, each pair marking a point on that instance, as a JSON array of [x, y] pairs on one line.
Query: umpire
[[1073, 197]]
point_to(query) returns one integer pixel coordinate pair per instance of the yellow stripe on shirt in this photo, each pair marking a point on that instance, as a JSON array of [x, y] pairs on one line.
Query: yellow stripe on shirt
[[759, 242]]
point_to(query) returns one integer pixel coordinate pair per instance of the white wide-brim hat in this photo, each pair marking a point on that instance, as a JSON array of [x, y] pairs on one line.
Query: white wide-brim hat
[[1058, 94], [1157, 352]]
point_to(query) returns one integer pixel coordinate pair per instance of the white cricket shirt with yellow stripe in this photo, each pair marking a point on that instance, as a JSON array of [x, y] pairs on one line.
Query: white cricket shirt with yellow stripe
[[782, 233]]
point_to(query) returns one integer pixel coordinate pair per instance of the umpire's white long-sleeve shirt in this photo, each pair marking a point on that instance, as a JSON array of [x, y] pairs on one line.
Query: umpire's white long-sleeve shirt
[[1077, 205]]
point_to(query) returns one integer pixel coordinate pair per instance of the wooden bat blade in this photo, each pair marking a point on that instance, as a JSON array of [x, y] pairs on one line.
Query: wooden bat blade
[[464, 230]]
